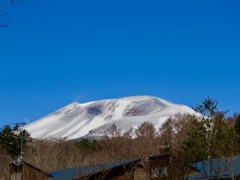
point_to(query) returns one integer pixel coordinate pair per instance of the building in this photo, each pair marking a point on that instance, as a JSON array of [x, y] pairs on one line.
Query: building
[[157, 167], [167, 166], [217, 168], [117, 170], [23, 170]]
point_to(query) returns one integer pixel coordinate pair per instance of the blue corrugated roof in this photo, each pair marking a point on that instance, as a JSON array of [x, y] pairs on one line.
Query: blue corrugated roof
[[217, 168], [81, 171]]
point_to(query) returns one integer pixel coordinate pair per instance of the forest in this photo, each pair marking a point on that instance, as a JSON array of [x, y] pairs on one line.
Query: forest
[[188, 137]]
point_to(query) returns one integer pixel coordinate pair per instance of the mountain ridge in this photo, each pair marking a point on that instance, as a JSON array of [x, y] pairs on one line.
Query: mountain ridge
[[92, 119]]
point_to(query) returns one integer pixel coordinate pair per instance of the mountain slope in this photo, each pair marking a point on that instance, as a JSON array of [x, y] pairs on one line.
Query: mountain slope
[[94, 118]]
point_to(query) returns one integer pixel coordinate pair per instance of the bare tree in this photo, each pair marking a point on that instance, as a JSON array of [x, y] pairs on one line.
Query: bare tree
[[5, 158], [2, 8]]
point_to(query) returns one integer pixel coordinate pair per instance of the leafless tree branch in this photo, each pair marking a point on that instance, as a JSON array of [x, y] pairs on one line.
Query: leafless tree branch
[[11, 3], [6, 24]]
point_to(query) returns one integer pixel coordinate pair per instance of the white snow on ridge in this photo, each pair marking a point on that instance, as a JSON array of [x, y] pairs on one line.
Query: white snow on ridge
[[92, 119]]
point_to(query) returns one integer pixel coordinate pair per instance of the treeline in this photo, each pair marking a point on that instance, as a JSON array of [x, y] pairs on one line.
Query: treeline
[[189, 137]]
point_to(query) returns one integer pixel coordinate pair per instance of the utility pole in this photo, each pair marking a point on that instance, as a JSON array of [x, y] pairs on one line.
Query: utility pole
[[19, 130]]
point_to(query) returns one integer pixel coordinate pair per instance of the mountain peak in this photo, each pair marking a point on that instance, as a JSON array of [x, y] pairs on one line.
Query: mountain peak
[[94, 118]]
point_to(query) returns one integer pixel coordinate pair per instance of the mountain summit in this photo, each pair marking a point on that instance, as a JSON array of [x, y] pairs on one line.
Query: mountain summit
[[92, 119]]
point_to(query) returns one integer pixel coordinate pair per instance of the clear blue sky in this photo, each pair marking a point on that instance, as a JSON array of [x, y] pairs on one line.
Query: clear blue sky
[[57, 52]]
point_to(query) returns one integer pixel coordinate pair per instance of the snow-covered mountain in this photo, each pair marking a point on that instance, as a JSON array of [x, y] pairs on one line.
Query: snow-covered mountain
[[94, 118]]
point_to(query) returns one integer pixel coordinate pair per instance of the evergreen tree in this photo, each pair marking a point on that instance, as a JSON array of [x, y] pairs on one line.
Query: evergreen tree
[[12, 140], [210, 137], [208, 107], [194, 147], [220, 136]]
